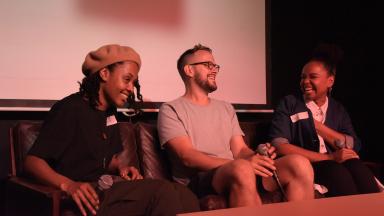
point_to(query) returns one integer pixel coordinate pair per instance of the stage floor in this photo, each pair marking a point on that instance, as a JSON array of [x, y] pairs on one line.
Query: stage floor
[[356, 205]]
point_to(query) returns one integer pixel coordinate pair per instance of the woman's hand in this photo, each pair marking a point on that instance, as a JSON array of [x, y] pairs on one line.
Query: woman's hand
[[83, 194], [317, 124], [129, 173], [343, 154]]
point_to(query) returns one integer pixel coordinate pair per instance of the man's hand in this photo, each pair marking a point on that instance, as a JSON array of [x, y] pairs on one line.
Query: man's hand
[[262, 165], [343, 154], [129, 173], [83, 194]]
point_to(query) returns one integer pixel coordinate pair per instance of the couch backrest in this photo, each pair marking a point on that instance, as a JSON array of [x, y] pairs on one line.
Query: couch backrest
[[256, 132], [129, 142], [24, 134], [153, 159], [140, 142], [22, 137]]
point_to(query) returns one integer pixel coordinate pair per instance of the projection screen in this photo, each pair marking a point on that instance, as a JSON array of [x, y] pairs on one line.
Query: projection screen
[[44, 44]]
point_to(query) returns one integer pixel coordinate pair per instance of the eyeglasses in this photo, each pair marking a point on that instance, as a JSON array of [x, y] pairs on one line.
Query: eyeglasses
[[209, 65]]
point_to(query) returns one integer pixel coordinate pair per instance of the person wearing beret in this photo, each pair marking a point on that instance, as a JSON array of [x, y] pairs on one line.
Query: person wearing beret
[[79, 143]]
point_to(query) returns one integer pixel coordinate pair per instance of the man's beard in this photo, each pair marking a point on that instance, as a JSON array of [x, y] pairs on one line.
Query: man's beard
[[205, 84]]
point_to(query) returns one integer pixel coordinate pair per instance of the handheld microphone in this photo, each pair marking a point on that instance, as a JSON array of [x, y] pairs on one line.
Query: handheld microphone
[[342, 143], [104, 183], [339, 144], [262, 149]]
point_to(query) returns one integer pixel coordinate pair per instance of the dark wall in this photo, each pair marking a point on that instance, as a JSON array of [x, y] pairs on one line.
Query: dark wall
[[298, 26]]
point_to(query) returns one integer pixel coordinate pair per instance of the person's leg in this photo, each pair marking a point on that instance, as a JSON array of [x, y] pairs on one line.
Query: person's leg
[[188, 200], [296, 176], [237, 180], [141, 197], [362, 176], [335, 177], [166, 201]]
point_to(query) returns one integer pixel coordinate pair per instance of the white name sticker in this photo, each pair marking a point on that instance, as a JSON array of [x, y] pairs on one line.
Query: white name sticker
[[299, 116], [111, 120]]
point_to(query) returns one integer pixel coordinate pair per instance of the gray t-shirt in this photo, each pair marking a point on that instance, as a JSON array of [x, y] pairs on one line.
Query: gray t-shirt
[[210, 128]]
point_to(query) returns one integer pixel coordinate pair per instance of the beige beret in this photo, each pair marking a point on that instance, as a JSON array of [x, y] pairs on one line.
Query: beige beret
[[107, 55]]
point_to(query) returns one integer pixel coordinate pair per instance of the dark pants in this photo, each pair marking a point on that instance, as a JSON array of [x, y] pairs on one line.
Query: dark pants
[[147, 197], [347, 178]]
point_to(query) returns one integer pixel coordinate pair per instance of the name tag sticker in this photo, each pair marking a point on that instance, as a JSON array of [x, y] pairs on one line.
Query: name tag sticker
[[111, 120], [299, 116]]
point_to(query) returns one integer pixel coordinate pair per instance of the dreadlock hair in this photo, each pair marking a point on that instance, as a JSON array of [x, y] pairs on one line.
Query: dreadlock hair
[[181, 62], [90, 86], [132, 103], [89, 89], [329, 55]]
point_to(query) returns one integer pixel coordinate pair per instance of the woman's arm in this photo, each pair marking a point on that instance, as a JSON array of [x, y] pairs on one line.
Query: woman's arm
[[329, 135], [40, 170], [339, 156], [286, 149], [82, 193], [343, 131]]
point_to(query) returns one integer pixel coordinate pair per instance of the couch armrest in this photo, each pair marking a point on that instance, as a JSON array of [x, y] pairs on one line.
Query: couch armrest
[[20, 191], [39, 188]]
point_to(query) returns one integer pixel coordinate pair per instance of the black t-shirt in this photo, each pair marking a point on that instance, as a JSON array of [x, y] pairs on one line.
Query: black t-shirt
[[76, 141]]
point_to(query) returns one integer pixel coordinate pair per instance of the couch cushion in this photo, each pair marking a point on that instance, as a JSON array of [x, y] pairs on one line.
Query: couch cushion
[[154, 162], [256, 132], [128, 139]]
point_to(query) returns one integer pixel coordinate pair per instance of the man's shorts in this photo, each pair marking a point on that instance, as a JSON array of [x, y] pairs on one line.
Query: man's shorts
[[201, 184]]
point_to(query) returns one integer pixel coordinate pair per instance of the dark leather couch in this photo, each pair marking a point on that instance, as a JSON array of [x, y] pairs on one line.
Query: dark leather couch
[[140, 140]]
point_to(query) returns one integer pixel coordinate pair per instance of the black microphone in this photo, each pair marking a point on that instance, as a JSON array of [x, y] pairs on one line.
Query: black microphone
[[262, 149], [103, 183], [339, 144]]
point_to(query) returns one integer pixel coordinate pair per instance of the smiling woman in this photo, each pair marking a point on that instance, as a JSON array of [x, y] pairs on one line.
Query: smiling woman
[[318, 127], [81, 125], [64, 30]]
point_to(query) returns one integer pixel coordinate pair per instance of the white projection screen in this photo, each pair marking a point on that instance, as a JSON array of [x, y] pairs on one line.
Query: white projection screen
[[44, 43]]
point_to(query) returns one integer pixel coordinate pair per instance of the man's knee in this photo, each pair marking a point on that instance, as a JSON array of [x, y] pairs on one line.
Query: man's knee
[[241, 172]]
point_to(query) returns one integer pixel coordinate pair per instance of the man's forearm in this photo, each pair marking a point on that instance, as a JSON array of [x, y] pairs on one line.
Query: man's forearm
[[244, 153], [201, 161]]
